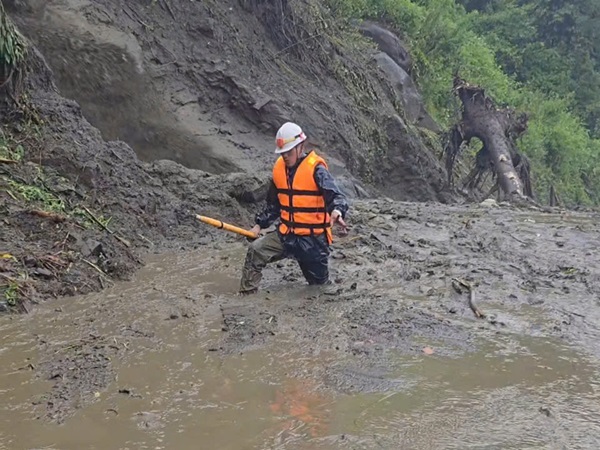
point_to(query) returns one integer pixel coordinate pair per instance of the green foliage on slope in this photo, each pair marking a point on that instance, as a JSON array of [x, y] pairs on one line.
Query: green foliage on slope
[[538, 56]]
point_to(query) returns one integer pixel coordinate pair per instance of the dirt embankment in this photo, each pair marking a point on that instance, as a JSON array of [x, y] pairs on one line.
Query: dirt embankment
[[78, 211], [84, 201]]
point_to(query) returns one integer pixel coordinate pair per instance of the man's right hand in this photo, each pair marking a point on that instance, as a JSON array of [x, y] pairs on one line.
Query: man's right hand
[[255, 229]]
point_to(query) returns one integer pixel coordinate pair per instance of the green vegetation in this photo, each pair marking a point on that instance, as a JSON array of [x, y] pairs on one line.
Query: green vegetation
[[34, 193], [11, 293], [13, 51], [9, 149], [538, 56], [38, 196]]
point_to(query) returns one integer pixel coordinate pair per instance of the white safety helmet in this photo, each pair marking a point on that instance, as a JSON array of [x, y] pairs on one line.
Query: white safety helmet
[[289, 136]]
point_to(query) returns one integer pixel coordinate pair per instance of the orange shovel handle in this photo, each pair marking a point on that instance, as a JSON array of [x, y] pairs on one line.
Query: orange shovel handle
[[225, 226]]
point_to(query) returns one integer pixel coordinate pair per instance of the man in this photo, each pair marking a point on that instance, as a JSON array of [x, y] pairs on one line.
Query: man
[[305, 198]]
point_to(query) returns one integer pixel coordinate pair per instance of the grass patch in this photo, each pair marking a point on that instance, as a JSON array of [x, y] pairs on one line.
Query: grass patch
[[11, 293], [35, 194], [10, 149]]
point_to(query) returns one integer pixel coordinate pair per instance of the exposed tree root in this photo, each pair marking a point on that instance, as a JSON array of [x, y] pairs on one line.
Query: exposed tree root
[[457, 284], [498, 129]]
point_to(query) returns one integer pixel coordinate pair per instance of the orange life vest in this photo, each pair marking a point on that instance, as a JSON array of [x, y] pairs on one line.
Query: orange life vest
[[302, 204]]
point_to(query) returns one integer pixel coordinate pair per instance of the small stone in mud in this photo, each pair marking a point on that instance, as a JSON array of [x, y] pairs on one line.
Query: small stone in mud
[[413, 274], [45, 273], [452, 310], [338, 255], [174, 316]]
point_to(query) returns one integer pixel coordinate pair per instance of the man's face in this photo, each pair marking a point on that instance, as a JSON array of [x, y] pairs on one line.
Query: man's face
[[291, 158]]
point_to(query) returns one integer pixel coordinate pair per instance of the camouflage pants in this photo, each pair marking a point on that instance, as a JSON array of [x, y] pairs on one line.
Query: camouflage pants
[[311, 252]]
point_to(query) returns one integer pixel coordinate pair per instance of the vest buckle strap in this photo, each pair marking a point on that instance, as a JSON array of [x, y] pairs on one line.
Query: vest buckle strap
[[307, 226]]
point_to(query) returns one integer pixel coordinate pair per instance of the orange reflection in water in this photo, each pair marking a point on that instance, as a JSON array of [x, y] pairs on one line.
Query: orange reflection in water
[[303, 407]]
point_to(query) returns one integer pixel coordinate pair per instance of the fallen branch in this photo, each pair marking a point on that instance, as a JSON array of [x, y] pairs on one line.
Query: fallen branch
[[98, 221], [91, 264], [123, 241], [456, 283], [8, 277], [8, 161], [47, 215], [146, 239], [517, 239]]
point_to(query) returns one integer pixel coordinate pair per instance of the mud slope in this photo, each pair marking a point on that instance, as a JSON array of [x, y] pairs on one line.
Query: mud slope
[[77, 211], [207, 83]]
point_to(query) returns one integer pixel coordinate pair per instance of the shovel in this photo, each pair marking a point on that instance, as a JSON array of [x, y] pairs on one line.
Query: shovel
[[226, 226]]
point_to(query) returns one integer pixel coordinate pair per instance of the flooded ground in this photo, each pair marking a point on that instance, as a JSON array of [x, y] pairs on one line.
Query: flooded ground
[[395, 359]]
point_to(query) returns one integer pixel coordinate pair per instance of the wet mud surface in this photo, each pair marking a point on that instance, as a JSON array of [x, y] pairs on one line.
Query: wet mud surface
[[394, 357]]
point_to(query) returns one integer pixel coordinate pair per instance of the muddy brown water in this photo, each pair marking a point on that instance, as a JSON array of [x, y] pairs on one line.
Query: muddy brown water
[[162, 382]]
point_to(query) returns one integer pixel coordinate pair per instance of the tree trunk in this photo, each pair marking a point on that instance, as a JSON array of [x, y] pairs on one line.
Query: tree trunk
[[498, 129], [554, 200]]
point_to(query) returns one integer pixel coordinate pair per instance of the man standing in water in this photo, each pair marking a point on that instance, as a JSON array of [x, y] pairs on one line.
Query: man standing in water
[[305, 198]]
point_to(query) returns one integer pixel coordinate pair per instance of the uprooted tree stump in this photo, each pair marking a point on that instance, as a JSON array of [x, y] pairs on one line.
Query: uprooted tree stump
[[498, 130]]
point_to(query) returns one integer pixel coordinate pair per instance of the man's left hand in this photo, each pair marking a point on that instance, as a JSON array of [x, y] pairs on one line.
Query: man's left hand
[[336, 217]]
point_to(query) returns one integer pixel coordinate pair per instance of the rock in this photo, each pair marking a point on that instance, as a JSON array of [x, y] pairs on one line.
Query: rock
[[90, 247], [247, 188], [349, 185], [41, 272], [3, 306], [405, 90], [490, 203], [388, 43], [351, 188]]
